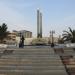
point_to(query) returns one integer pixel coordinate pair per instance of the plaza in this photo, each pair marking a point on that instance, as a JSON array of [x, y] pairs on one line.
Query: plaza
[[31, 39]]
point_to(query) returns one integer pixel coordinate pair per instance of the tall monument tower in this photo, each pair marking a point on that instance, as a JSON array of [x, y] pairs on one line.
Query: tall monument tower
[[39, 24]]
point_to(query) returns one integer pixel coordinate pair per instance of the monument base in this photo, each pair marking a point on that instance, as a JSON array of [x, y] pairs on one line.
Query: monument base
[[39, 41]]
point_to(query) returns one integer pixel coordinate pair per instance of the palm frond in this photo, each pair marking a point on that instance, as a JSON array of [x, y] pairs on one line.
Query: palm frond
[[66, 32], [70, 30]]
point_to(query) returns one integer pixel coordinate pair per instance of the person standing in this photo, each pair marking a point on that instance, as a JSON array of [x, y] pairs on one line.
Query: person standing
[[21, 44]]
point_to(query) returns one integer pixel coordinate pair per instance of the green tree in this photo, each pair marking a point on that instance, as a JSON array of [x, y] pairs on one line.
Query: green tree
[[69, 35], [3, 32]]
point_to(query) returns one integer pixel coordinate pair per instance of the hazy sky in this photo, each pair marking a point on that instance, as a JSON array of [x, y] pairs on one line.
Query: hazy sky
[[58, 15]]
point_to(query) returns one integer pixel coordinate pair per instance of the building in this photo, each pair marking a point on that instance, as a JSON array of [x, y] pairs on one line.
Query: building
[[25, 33], [11, 38], [14, 37]]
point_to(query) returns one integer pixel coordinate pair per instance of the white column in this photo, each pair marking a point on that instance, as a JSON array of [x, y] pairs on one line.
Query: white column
[[40, 25]]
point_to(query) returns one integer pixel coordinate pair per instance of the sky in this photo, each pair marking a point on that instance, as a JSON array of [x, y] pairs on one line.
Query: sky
[[58, 15]]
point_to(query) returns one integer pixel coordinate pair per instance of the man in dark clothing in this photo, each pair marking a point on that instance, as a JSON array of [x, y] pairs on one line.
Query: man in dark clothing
[[21, 44]]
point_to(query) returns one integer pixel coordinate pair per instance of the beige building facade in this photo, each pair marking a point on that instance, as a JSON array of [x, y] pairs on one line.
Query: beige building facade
[[25, 33]]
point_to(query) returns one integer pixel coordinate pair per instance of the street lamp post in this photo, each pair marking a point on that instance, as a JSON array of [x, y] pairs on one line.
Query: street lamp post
[[51, 33]]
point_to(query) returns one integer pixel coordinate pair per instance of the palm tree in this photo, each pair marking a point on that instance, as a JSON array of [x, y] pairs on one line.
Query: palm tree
[[3, 32], [60, 41], [69, 36]]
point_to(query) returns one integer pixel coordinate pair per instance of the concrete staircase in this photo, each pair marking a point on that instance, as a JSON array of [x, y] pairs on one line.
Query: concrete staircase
[[31, 61]]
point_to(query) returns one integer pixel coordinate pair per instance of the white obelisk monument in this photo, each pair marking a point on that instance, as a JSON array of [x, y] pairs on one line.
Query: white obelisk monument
[[39, 24]]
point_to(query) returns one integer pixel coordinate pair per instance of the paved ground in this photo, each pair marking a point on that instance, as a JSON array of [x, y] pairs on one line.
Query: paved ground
[[32, 60]]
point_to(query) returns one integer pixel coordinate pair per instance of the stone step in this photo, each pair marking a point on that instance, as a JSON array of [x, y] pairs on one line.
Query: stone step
[[32, 64], [31, 61], [40, 50], [32, 67], [40, 55], [33, 53], [29, 58], [33, 72], [26, 52], [27, 49], [35, 56]]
